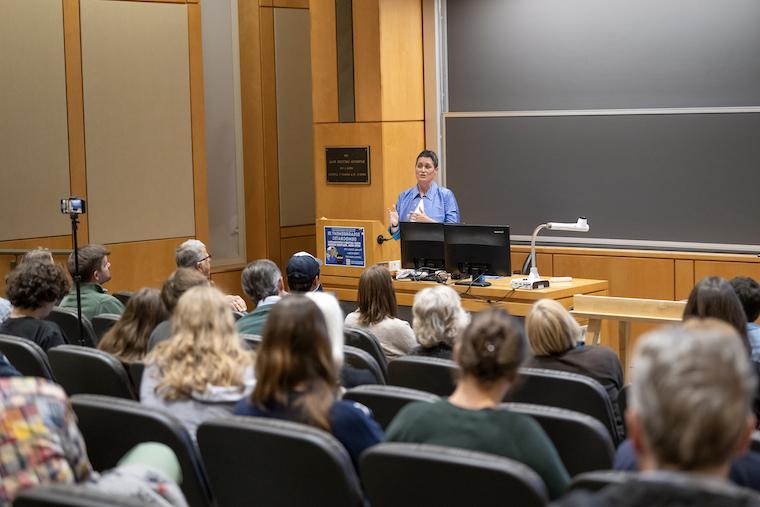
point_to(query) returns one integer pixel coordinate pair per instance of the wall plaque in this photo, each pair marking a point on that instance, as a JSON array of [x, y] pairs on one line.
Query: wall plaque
[[347, 165]]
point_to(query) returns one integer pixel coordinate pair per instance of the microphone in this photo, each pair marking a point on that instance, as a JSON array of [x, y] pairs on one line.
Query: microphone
[[382, 239]]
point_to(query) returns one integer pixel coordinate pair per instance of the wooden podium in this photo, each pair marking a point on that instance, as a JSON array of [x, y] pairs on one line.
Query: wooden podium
[[373, 252]]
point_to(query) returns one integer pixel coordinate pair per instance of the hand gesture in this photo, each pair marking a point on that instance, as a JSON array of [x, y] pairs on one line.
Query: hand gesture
[[393, 216], [237, 303], [419, 216]]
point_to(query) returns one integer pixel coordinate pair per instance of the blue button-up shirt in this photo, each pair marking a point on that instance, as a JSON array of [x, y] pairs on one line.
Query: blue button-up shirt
[[439, 204]]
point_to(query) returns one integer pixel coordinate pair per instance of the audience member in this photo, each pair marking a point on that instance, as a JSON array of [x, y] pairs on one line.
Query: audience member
[[689, 414], [297, 378], [202, 370], [41, 444], [192, 254], [713, 297], [489, 354], [748, 291], [127, 340], [333, 315], [553, 335], [5, 310], [33, 289], [438, 320], [262, 282], [303, 273], [178, 283], [94, 271], [38, 254], [378, 313], [6, 368]]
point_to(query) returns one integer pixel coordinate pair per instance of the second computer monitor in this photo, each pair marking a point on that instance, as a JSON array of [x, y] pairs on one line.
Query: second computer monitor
[[422, 245], [477, 249]]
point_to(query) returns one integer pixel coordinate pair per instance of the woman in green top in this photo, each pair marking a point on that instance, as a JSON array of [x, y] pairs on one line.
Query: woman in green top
[[489, 354]]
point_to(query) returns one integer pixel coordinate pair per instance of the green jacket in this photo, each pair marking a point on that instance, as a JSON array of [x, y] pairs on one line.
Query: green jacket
[[95, 300], [253, 323]]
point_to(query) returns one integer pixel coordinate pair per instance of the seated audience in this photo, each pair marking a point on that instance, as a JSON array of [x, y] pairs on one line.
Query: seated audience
[[94, 271], [42, 445], [202, 370], [748, 291], [192, 254], [377, 313], [127, 340], [330, 308], [688, 416], [438, 320], [303, 273], [713, 297], [553, 335], [38, 254], [297, 378], [262, 282], [5, 310], [489, 354], [178, 283], [33, 289]]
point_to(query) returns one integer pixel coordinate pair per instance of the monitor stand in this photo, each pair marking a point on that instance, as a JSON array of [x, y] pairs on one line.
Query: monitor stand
[[476, 280]]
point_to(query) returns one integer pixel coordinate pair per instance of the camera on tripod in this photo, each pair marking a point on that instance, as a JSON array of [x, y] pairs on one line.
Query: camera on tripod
[[73, 206]]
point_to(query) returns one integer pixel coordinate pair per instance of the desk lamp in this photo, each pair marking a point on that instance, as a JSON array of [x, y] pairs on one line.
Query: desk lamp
[[580, 226]]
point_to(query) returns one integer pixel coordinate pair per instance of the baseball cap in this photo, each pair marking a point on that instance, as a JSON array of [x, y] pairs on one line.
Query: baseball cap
[[303, 267]]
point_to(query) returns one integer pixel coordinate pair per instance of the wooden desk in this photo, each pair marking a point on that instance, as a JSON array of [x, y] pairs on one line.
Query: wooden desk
[[474, 299]]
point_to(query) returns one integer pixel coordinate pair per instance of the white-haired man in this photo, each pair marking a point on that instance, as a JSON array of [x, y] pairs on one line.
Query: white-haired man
[[689, 414], [194, 255]]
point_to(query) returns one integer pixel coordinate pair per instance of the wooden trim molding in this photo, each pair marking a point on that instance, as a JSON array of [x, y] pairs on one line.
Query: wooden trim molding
[[197, 113]]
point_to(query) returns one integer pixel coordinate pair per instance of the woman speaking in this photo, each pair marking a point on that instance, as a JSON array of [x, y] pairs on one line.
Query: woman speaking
[[426, 201]]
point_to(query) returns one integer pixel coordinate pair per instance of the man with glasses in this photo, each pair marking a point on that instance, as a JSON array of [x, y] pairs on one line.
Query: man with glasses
[[194, 255]]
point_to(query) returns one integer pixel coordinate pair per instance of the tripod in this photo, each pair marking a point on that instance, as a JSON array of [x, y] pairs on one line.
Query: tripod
[[77, 278]]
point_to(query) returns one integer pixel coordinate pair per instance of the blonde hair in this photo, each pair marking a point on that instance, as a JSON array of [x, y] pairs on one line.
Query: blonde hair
[[204, 348], [438, 316], [692, 391], [550, 328]]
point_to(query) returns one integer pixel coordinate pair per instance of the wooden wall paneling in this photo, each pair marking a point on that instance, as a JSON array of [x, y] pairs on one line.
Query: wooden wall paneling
[[401, 142], [289, 246], [401, 60], [544, 262], [365, 202], [727, 270], [228, 281], [252, 124], [54, 242], [142, 263], [72, 43], [265, 3], [269, 110], [684, 278], [367, 60], [292, 4], [197, 126], [324, 65]]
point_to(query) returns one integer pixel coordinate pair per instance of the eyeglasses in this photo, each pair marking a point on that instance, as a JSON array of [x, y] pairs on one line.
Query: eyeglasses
[[206, 257]]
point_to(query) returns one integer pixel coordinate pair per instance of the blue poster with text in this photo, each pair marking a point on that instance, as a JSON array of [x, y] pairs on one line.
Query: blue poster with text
[[344, 246]]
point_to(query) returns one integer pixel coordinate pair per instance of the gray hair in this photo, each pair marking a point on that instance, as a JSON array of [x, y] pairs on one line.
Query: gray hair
[[260, 279], [692, 391], [438, 316], [189, 253]]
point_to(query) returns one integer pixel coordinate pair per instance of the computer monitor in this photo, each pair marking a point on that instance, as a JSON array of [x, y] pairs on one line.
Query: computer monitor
[[422, 245], [474, 250]]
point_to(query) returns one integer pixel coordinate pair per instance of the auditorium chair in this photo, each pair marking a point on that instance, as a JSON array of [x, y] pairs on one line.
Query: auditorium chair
[[565, 390], [71, 495], [754, 443], [363, 339], [26, 356], [583, 443], [135, 372], [83, 370], [430, 374], [361, 360], [622, 405], [386, 401], [123, 296], [103, 322], [69, 323], [113, 426], [419, 475], [254, 460], [600, 479]]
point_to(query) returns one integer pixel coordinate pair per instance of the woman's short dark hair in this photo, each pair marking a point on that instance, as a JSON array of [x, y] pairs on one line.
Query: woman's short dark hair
[[492, 347], [377, 299], [748, 291], [429, 154], [178, 283], [714, 297], [33, 284]]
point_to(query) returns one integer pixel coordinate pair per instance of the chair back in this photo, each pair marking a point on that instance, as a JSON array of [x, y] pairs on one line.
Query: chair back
[[583, 443], [274, 462], [84, 370], [69, 323], [112, 426], [600, 479], [71, 495], [565, 390], [622, 403], [393, 473], [361, 360], [429, 374], [135, 372], [26, 356], [754, 443], [103, 322], [123, 296], [365, 340], [386, 401]]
